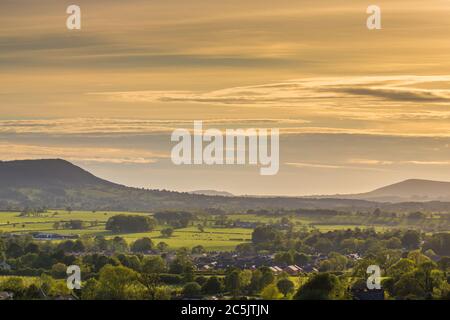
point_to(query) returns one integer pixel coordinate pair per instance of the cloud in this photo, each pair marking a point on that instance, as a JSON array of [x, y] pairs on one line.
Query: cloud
[[297, 92], [375, 162], [329, 166], [429, 163], [370, 162], [113, 126], [11, 151]]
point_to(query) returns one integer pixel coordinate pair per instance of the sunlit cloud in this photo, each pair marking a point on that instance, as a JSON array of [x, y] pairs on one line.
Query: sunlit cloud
[[295, 92], [329, 166], [88, 154]]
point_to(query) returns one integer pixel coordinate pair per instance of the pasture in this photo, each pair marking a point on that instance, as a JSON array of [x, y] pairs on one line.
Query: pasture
[[213, 239]]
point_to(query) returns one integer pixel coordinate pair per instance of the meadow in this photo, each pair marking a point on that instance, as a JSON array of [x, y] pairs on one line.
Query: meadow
[[212, 237]]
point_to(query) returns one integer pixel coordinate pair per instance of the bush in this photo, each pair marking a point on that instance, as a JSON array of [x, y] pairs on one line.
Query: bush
[[170, 278], [142, 245], [192, 289]]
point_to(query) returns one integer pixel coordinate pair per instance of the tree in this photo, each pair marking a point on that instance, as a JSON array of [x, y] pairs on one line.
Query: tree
[[192, 290], [212, 286], [301, 259], [401, 267], [181, 265], [270, 292], [198, 249], [130, 223], [117, 283], [119, 244], [335, 262], [153, 264], [59, 270], [267, 277], [439, 243], [142, 245], [74, 224], [100, 243], [285, 286], [162, 246], [411, 239], [263, 234], [245, 278], [284, 258], [14, 250], [323, 286], [177, 219], [233, 282], [15, 285], [79, 246], [167, 232]]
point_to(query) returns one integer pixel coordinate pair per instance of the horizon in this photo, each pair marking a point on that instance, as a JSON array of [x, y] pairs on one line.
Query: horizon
[[225, 191], [354, 112]]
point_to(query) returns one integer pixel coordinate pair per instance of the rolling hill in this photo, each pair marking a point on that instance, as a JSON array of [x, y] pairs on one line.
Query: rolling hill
[[56, 183], [409, 190]]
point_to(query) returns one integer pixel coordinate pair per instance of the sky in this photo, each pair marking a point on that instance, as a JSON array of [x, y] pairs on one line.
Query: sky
[[357, 109]]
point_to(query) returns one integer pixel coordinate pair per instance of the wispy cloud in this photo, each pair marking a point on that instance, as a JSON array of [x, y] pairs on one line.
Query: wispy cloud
[[126, 126], [11, 151], [330, 166], [296, 92]]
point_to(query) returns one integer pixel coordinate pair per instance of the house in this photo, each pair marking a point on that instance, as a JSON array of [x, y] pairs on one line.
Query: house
[[47, 236], [205, 267], [310, 268], [276, 269], [293, 270], [353, 256], [245, 224], [6, 295]]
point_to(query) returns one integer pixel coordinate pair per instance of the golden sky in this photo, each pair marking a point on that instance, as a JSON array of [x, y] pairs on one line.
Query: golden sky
[[356, 108]]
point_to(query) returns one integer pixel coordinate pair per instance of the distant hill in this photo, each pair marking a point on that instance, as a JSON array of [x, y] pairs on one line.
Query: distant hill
[[56, 183], [49, 173], [212, 193], [409, 190]]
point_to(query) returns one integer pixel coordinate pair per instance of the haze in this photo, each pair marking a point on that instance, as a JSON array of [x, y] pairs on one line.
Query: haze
[[356, 109]]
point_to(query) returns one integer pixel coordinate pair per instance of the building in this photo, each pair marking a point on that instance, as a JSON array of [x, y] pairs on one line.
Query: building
[[293, 270], [276, 269]]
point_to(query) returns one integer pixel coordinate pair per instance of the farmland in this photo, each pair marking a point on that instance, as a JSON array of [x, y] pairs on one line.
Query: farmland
[[211, 237], [220, 239]]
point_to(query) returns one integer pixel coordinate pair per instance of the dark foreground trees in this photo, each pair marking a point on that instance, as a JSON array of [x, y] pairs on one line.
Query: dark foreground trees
[[323, 286]]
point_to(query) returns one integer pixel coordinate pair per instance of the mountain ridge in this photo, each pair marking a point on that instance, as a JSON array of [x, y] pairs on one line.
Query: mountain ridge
[[407, 190], [57, 183]]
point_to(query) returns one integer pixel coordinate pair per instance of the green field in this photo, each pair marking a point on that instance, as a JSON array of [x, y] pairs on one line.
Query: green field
[[212, 238]]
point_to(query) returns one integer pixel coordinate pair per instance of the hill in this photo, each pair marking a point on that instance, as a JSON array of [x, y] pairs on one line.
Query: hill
[[409, 190], [56, 183]]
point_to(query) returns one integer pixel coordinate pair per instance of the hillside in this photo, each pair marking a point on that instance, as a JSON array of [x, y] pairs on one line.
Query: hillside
[[59, 184], [408, 190]]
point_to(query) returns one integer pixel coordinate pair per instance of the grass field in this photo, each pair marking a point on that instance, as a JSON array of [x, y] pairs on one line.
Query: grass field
[[220, 239], [212, 238]]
